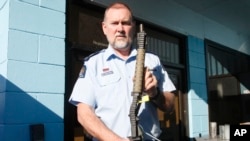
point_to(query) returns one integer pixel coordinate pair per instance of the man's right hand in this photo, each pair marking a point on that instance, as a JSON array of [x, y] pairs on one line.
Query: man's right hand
[[125, 139]]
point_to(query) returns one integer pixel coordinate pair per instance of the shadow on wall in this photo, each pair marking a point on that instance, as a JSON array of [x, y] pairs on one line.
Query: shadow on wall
[[19, 110]]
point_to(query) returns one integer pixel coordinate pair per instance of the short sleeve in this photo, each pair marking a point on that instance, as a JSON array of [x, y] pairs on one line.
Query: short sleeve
[[83, 91], [167, 84], [164, 82]]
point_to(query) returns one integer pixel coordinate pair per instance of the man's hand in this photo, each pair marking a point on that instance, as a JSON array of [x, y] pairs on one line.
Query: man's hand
[[150, 85], [125, 139], [94, 126], [163, 100]]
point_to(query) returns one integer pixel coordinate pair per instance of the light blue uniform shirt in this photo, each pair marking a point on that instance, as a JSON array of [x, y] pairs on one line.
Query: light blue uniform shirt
[[107, 84]]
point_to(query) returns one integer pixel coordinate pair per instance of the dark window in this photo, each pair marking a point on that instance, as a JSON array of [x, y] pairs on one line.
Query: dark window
[[228, 73]]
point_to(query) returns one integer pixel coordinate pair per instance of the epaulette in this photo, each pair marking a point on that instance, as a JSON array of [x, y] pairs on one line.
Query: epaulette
[[93, 54], [84, 67], [150, 52]]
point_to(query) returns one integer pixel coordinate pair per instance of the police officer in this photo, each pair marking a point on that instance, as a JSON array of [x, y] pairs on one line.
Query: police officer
[[102, 93]]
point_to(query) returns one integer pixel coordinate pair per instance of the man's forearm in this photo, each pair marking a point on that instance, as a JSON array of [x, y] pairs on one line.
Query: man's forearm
[[165, 101], [93, 125]]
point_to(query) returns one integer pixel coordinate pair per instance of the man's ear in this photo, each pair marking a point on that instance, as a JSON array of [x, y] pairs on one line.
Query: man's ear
[[104, 28]]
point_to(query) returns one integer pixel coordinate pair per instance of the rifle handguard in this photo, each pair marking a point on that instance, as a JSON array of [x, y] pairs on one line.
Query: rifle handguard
[[136, 134]]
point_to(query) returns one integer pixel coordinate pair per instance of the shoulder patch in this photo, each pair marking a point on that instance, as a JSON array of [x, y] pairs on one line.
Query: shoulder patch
[[82, 72]]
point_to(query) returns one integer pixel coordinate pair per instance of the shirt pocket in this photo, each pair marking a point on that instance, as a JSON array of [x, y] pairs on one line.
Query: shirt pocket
[[108, 78]]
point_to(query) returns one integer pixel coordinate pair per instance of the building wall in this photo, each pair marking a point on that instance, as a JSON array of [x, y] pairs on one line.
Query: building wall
[[32, 62], [197, 88]]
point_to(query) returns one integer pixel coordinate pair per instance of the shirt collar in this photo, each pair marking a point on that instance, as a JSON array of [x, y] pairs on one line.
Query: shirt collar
[[110, 53]]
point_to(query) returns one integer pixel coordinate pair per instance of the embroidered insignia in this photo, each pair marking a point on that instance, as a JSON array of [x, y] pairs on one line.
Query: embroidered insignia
[[82, 72], [106, 71]]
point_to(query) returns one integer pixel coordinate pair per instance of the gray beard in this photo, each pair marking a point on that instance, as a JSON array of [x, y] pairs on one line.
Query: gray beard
[[121, 45]]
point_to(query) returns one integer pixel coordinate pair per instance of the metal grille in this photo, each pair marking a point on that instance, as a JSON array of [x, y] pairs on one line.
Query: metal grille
[[166, 50]]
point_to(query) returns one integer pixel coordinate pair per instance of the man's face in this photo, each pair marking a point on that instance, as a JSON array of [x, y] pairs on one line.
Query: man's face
[[118, 28]]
